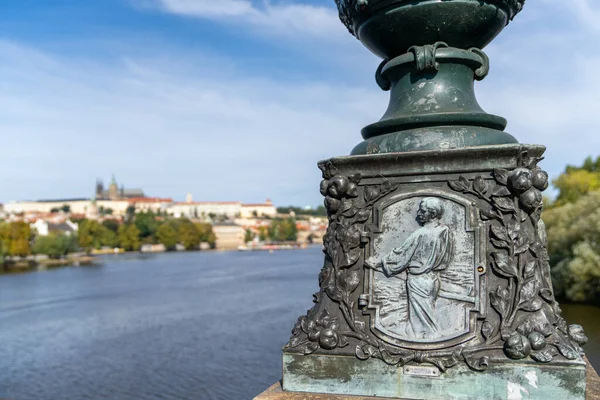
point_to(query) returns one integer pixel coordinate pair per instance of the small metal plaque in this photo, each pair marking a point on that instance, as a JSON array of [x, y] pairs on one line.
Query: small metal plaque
[[421, 371]]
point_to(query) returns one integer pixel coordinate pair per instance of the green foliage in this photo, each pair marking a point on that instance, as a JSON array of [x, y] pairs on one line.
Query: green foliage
[[55, 245], [66, 208], [105, 211], [263, 233], [147, 225], [577, 181], [89, 234], [206, 234], [320, 211], [15, 238], [248, 236], [129, 237], [189, 235], [111, 224], [130, 214], [167, 235], [108, 237], [574, 248], [94, 235], [283, 230]]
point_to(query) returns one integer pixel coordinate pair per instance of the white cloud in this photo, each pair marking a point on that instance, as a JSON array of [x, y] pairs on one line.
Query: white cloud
[[209, 8], [586, 12], [289, 19], [219, 134], [544, 81], [210, 127]]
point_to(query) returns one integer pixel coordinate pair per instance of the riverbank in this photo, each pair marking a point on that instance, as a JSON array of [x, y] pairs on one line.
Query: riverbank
[[32, 264], [140, 326]]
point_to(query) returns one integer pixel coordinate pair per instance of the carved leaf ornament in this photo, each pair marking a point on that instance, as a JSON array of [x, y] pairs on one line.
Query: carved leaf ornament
[[528, 320], [515, 202]]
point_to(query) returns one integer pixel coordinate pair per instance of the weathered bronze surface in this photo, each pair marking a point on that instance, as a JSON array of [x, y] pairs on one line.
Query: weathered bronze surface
[[436, 258], [275, 392], [436, 280], [432, 53]]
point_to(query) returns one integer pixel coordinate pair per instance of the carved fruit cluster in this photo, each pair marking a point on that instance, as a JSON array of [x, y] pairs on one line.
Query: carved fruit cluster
[[530, 323], [528, 185], [320, 332]]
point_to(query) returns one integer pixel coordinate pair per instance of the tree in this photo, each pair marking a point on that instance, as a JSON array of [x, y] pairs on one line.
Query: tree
[[89, 234], [55, 245], [320, 211], [147, 225], [283, 230], [167, 235], [262, 233], [573, 231], [577, 181], [108, 237], [249, 235], [3, 241], [16, 238], [189, 235], [105, 211], [66, 208], [130, 213], [111, 224], [206, 234], [129, 237]]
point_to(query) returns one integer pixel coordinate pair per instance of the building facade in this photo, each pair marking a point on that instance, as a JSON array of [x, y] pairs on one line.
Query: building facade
[[258, 210], [114, 192]]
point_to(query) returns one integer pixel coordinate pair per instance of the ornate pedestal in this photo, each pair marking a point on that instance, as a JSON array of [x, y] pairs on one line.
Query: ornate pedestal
[[275, 392], [436, 282]]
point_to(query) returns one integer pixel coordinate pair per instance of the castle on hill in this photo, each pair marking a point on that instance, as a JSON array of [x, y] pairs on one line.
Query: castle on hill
[[114, 192]]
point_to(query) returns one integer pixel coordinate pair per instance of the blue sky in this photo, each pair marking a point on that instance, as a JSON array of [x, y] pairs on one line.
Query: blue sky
[[238, 100]]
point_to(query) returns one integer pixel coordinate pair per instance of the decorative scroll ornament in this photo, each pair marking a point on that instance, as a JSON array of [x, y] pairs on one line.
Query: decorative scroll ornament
[[425, 57]]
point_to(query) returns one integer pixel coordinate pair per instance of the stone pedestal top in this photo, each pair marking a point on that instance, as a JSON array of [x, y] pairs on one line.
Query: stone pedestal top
[[276, 393]]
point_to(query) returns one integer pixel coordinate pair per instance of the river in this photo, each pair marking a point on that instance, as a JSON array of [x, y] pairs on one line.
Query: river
[[166, 326]]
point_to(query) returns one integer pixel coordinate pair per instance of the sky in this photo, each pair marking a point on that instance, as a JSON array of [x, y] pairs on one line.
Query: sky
[[237, 100]]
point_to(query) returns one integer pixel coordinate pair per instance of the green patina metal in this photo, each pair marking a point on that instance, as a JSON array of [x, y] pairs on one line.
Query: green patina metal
[[432, 56], [436, 279], [348, 375]]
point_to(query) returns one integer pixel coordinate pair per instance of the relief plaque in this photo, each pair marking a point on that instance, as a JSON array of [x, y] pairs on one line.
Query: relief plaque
[[424, 268]]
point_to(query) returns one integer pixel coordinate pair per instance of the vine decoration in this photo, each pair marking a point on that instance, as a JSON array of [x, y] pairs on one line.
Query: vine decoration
[[339, 277], [348, 212], [528, 323], [530, 319]]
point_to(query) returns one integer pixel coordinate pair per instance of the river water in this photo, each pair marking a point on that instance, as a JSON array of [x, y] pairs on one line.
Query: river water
[[167, 326]]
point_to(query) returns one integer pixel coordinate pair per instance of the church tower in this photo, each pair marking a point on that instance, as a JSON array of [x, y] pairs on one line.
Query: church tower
[[99, 189], [113, 189]]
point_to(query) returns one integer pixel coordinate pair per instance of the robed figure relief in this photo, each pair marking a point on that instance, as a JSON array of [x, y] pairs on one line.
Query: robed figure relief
[[415, 268]]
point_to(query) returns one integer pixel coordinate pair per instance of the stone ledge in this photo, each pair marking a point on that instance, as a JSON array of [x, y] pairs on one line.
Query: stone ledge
[[275, 392]]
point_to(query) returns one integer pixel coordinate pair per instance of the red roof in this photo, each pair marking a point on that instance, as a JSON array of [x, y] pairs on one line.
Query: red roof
[[149, 200], [207, 202]]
